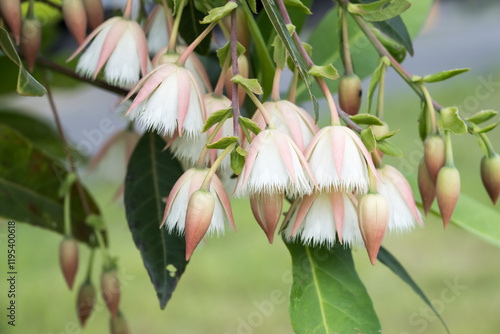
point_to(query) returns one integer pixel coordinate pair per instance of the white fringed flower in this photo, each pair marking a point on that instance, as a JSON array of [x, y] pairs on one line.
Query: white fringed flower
[[338, 160], [174, 217], [120, 47], [168, 100], [403, 213], [289, 119], [274, 164], [317, 219], [156, 29]]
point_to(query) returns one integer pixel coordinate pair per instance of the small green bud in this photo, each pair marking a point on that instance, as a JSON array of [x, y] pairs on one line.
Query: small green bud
[[350, 92], [490, 174]]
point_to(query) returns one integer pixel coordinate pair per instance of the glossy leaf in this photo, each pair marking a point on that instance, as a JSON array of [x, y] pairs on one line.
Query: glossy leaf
[[366, 119], [250, 125], [190, 27], [223, 143], [482, 116], [237, 162], [151, 174], [26, 84], [218, 13], [327, 295], [225, 51], [326, 71], [380, 10], [450, 120], [441, 76], [29, 188], [216, 117], [250, 84]]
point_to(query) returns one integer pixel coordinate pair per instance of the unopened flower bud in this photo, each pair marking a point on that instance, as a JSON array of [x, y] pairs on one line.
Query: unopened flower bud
[[31, 38], [85, 301], [426, 186], [447, 192], [434, 155], [110, 290], [267, 210], [350, 92], [11, 13], [68, 258], [95, 12], [198, 217], [243, 69], [119, 324], [373, 219], [75, 18], [490, 174]]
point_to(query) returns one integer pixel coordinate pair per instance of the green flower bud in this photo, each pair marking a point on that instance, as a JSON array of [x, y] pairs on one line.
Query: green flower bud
[[350, 92]]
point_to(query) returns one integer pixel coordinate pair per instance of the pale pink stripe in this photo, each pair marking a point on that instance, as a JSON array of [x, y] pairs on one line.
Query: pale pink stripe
[[112, 38]]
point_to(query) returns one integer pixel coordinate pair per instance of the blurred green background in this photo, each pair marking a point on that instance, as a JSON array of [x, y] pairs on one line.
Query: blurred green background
[[230, 277]]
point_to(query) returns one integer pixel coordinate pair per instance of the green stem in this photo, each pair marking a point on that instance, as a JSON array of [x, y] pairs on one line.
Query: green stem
[[106, 260], [31, 10], [380, 102], [449, 150], [213, 168], [293, 87], [127, 13], [259, 106], [88, 276], [203, 154], [432, 128], [346, 55], [168, 16], [175, 29], [184, 56], [245, 131], [275, 93], [67, 213], [331, 104]]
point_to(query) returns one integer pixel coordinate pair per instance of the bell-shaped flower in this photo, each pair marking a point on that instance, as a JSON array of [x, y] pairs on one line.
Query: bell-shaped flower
[[403, 213], [339, 160], [156, 29], [322, 218], [274, 165], [266, 209], [174, 217], [289, 119], [168, 99], [120, 47]]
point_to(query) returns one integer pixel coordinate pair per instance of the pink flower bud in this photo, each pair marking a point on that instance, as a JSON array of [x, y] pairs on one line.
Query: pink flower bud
[[447, 191], [198, 217], [434, 155], [243, 69], [426, 186], [95, 12], [373, 219], [11, 13], [75, 18], [68, 258], [31, 38], [267, 210], [490, 174], [350, 94], [85, 301], [110, 290], [119, 325]]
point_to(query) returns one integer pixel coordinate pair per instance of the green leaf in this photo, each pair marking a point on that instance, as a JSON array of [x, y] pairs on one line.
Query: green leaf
[[223, 143], [450, 120], [366, 119], [389, 148], [482, 116], [397, 268], [299, 5], [327, 295], [368, 139], [217, 117], [249, 124], [387, 135], [383, 63], [29, 188], [225, 52], [469, 214], [241, 151], [237, 162], [489, 127], [66, 185], [151, 175], [326, 71], [95, 221], [26, 84], [381, 10], [253, 5], [308, 49], [190, 28], [250, 84], [441, 76], [218, 13], [279, 55]]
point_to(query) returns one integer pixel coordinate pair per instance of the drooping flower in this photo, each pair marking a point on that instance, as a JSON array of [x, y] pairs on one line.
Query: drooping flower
[[11, 12], [289, 119], [322, 218], [339, 160], [157, 30], [403, 213], [168, 99], [266, 209], [120, 47], [75, 18]]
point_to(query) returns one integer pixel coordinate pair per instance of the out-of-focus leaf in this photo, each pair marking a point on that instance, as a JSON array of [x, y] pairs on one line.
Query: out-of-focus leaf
[[380, 10], [482, 116], [190, 27]]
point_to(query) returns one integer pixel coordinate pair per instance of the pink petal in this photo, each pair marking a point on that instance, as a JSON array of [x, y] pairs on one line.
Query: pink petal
[[293, 123], [197, 180], [151, 17], [253, 150], [138, 85], [304, 207], [221, 192], [184, 96], [283, 145], [195, 84], [175, 189], [142, 45], [337, 200], [112, 38], [338, 148], [314, 141], [171, 140], [365, 152], [254, 205], [193, 58], [307, 119], [303, 162]]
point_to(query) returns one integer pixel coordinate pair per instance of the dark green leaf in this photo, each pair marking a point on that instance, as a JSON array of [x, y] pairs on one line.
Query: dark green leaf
[[299, 5], [450, 120], [219, 13], [489, 127], [190, 27], [249, 124], [250, 84], [225, 51], [26, 84], [29, 188], [216, 117], [368, 139], [151, 174], [366, 119], [327, 295], [237, 162], [326, 71], [389, 148], [393, 264], [482, 116], [223, 143], [381, 10], [436, 77]]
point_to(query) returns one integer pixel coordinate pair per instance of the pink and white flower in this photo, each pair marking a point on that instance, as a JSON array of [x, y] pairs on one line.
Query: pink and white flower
[[174, 217], [339, 161], [157, 30], [120, 47], [168, 100], [289, 119]]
